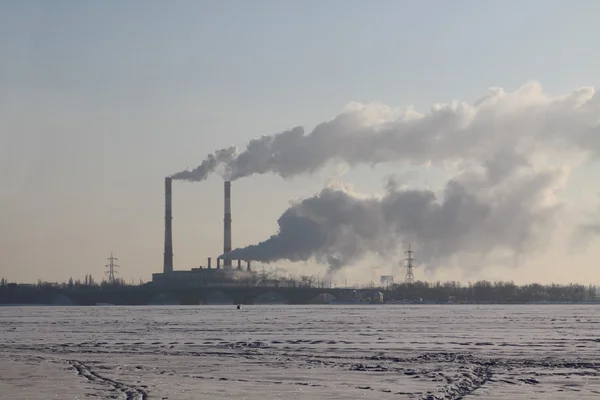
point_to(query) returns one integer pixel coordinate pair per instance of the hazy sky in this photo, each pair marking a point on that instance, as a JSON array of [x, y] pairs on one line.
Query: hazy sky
[[99, 101]]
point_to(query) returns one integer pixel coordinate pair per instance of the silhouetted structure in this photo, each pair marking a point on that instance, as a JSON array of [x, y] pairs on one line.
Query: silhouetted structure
[[410, 277], [168, 261], [227, 225], [111, 268]]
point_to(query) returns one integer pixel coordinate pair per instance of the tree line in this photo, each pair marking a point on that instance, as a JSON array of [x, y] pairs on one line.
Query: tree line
[[451, 291], [494, 292], [88, 282]]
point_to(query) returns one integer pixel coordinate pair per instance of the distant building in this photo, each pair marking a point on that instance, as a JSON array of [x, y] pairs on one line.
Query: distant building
[[386, 281], [204, 277]]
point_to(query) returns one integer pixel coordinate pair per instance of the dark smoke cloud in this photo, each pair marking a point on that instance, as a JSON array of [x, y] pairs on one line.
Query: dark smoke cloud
[[478, 214], [517, 123], [585, 232]]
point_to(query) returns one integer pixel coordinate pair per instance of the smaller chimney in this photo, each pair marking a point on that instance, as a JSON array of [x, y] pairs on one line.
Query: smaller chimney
[[218, 263], [248, 266], [208, 262]]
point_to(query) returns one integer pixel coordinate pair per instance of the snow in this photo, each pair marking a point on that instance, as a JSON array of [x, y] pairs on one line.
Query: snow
[[301, 352]]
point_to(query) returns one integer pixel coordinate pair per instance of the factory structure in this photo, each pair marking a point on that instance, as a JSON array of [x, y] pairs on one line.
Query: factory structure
[[227, 271], [204, 275]]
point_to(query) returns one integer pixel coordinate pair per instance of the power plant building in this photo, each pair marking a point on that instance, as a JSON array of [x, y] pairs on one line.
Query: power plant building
[[203, 275]]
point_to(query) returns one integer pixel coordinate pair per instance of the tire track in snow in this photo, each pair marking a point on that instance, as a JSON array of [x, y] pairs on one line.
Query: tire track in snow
[[130, 392], [468, 383]]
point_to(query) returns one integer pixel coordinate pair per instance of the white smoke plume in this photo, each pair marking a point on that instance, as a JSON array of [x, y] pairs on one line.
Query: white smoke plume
[[208, 166], [514, 123], [502, 201]]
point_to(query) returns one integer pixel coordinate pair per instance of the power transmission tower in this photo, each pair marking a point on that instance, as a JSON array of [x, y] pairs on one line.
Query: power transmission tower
[[410, 277], [111, 268]]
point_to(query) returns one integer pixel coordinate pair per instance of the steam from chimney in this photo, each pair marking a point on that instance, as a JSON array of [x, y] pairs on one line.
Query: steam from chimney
[[518, 122], [208, 166], [500, 201], [477, 215]]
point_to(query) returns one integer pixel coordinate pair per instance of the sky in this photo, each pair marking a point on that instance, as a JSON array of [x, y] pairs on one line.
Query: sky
[[99, 101]]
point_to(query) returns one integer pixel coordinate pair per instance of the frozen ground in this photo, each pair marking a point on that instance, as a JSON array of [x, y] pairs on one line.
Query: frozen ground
[[316, 352]]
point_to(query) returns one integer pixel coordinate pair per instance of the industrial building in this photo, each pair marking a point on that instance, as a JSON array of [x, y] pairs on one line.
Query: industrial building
[[204, 275]]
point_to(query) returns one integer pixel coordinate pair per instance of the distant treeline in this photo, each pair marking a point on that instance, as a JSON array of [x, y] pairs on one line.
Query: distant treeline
[[88, 282], [455, 292], [493, 292]]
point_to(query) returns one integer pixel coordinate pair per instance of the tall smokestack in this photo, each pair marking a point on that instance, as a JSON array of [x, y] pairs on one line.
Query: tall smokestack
[[168, 262], [227, 224]]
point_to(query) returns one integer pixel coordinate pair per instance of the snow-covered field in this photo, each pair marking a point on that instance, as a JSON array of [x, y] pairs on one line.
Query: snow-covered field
[[300, 352]]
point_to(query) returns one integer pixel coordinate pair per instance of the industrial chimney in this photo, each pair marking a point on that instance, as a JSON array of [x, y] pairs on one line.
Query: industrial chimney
[[227, 225], [168, 261]]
